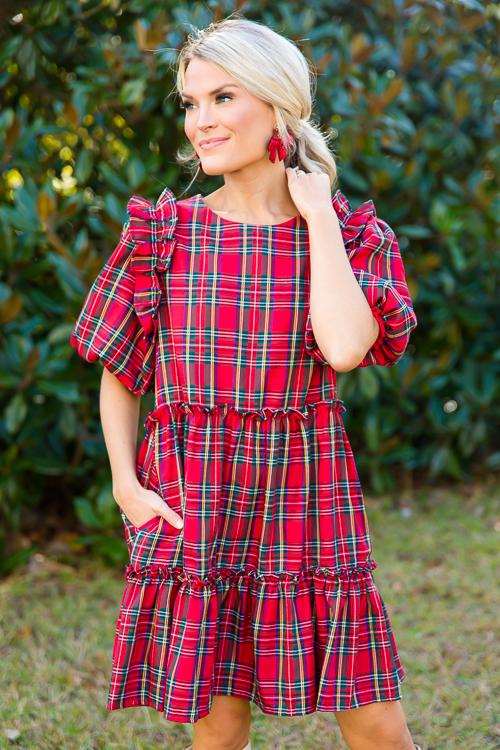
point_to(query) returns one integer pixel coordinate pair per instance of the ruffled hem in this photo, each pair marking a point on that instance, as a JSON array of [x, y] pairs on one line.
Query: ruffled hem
[[189, 408], [318, 640], [152, 574]]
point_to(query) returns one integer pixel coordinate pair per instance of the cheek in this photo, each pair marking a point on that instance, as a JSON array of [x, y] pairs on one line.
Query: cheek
[[189, 128], [250, 127]]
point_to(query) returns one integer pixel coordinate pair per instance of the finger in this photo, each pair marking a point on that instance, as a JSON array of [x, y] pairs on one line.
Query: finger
[[160, 507]]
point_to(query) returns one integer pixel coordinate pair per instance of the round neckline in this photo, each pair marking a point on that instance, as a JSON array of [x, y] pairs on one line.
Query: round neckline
[[243, 224]]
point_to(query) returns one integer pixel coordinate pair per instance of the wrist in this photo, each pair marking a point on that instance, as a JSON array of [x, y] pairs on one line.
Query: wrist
[[318, 214], [126, 490]]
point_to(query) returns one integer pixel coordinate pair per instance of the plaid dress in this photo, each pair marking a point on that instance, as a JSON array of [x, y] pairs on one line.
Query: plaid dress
[[267, 592]]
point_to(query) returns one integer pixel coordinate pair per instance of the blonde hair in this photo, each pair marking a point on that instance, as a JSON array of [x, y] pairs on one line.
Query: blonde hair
[[272, 68]]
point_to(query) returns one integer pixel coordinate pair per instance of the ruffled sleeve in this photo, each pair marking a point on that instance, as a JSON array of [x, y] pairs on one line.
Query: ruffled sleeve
[[119, 319], [376, 261]]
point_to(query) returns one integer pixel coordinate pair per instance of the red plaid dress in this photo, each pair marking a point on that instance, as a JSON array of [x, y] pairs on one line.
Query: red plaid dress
[[267, 592]]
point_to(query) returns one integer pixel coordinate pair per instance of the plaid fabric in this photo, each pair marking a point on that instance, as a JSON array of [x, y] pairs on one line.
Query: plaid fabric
[[267, 592], [376, 262], [118, 321]]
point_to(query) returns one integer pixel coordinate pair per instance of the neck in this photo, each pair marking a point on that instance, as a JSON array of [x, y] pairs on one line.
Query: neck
[[258, 194]]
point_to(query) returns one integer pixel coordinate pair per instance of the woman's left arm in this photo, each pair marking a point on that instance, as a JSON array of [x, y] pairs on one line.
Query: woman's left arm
[[344, 326]]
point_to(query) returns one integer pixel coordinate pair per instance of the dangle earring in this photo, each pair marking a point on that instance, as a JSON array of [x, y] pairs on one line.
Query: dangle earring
[[276, 145], [199, 164]]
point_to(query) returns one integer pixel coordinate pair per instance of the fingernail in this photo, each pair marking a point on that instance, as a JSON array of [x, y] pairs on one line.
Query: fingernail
[[179, 524]]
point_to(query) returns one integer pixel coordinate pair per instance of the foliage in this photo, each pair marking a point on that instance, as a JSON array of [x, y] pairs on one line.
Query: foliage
[[88, 118]]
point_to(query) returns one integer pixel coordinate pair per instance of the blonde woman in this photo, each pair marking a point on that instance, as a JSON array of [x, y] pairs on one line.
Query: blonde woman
[[250, 575]]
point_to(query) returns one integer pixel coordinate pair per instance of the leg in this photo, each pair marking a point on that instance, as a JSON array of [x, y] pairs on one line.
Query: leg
[[227, 726], [377, 726]]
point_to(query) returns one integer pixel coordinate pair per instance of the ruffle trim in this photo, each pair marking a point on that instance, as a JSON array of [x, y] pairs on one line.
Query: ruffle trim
[[153, 574], [189, 408], [352, 223], [152, 229]]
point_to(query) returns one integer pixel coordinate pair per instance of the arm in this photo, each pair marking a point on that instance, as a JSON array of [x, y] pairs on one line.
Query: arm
[[119, 409], [344, 326]]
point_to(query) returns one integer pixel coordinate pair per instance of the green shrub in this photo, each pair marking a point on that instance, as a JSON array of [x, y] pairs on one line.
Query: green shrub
[[412, 94]]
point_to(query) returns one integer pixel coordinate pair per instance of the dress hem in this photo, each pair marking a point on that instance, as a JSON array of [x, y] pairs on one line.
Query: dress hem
[[134, 703]]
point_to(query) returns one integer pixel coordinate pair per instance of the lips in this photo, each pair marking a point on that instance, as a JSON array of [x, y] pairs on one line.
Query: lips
[[212, 143]]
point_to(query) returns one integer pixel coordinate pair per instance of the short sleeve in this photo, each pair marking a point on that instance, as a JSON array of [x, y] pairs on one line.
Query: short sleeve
[[376, 262], [119, 318]]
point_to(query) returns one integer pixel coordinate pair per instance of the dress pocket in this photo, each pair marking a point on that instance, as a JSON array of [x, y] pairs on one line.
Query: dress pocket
[[147, 524], [145, 542], [146, 460]]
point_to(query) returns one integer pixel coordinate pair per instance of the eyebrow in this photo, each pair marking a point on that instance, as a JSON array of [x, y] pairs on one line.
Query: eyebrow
[[215, 91]]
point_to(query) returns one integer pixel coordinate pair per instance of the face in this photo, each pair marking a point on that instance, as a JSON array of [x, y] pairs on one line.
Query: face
[[228, 127]]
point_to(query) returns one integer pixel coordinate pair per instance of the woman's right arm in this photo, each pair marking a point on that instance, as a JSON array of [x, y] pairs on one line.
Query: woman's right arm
[[119, 409]]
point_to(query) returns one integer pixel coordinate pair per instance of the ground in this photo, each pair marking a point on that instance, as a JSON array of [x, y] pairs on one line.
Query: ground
[[438, 572]]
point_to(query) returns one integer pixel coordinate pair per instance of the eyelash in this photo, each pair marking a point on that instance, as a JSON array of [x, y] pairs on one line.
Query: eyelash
[[185, 105]]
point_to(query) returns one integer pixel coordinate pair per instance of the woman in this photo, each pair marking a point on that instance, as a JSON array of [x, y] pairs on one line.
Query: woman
[[250, 575]]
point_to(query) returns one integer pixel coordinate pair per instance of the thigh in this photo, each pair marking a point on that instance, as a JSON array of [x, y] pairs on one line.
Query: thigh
[[377, 726]]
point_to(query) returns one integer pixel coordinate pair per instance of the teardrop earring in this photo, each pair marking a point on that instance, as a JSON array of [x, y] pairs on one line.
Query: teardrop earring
[[199, 163]]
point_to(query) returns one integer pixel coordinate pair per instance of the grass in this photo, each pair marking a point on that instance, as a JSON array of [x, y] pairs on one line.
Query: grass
[[438, 573]]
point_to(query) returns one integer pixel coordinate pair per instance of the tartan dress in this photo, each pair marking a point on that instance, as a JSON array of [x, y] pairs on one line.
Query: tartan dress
[[267, 592]]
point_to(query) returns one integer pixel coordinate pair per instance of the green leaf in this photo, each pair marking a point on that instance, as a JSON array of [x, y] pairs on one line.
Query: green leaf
[[369, 384], [414, 231], [473, 4], [26, 57], [493, 460], [354, 179], [113, 179], [50, 12], [84, 165], [114, 208], [60, 333], [86, 513], [67, 392], [112, 548], [15, 413], [132, 92], [136, 172], [21, 557], [48, 466], [13, 218]]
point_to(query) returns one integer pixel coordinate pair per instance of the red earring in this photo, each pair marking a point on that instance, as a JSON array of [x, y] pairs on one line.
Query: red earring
[[199, 165], [276, 146]]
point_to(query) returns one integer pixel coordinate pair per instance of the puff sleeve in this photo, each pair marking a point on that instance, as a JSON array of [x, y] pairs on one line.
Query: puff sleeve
[[376, 262], [118, 322]]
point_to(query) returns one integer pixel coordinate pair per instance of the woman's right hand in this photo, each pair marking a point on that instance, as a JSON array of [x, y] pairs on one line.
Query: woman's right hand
[[141, 505]]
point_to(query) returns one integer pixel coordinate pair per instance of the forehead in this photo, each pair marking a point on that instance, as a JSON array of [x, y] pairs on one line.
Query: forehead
[[201, 75]]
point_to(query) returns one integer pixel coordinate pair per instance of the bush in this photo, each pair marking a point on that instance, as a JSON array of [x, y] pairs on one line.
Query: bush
[[411, 94]]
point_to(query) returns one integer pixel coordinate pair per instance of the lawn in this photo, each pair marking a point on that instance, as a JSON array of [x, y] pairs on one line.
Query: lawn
[[438, 572]]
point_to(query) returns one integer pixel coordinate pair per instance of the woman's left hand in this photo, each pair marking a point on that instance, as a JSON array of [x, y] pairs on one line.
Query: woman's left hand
[[310, 192]]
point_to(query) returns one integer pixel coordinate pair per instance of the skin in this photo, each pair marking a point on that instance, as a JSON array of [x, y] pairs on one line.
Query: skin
[[256, 191]]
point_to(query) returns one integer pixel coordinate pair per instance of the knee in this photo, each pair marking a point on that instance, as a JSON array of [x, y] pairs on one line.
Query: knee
[[387, 735], [226, 727], [376, 727], [389, 738]]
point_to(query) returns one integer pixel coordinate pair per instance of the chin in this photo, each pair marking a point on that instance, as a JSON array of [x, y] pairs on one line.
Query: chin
[[225, 166], [213, 171]]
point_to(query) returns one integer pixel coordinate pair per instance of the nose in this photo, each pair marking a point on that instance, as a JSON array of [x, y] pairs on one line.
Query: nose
[[206, 117]]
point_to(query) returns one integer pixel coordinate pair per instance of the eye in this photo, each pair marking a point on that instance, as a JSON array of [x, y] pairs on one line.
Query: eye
[[219, 98]]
